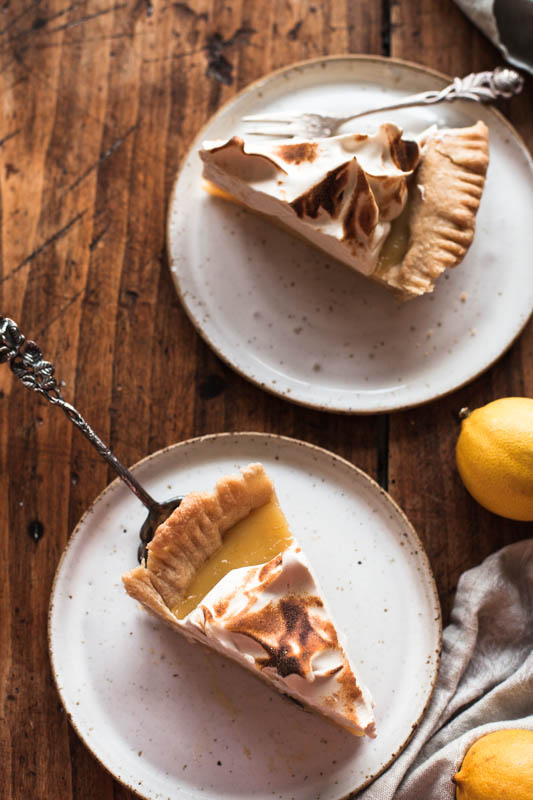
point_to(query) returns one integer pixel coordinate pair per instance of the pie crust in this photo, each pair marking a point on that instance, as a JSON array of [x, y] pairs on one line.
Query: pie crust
[[449, 183]]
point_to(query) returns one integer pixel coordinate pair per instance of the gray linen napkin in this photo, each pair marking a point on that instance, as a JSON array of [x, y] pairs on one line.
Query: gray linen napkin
[[485, 679], [508, 24]]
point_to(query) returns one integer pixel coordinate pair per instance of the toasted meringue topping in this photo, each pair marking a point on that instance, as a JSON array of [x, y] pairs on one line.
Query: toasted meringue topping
[[344, 190], [272, 619]]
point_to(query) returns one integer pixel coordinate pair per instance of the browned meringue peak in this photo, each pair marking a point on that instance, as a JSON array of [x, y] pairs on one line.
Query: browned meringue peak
[[375, 187]]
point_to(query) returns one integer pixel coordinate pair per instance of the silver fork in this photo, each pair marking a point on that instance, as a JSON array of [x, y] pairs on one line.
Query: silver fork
[[26, 362], [478, 86]]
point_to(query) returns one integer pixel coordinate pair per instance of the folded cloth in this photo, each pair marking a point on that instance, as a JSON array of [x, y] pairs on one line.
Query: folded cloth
[[508, 24], [485, 678]]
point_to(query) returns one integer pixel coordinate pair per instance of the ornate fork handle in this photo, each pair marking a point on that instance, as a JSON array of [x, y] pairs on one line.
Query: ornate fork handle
[[478, 86], [28, 365]]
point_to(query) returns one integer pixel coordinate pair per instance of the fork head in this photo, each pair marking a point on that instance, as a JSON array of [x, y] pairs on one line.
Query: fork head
[[305, 126], [157, 514]]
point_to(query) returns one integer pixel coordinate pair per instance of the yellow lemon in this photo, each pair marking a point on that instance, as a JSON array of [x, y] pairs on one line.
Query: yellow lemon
[[499, 766], [495, 456]]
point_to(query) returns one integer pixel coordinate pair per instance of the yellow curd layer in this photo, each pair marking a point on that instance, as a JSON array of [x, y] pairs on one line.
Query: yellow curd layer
[[258, 538], [396, 244]]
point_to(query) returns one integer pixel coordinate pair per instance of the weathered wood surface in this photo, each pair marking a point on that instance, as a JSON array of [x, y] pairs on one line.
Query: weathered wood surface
[[100, 101]]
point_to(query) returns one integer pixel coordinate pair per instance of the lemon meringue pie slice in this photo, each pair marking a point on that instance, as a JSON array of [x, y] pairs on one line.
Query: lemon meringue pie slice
[[398, 211], [224, 570]]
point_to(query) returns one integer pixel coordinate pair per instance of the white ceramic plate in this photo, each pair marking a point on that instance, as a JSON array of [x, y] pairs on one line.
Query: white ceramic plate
[[170, 719], [304, 326]]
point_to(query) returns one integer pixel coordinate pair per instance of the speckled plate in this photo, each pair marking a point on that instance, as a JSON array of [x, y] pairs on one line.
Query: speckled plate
[[304, 326], [170, 719]]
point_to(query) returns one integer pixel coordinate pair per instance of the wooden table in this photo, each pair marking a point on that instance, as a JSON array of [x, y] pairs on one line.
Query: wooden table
[[100, 102]]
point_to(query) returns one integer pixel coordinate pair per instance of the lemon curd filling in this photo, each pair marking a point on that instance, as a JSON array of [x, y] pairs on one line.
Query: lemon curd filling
[[256, 539], [216, 191], [396, 244]]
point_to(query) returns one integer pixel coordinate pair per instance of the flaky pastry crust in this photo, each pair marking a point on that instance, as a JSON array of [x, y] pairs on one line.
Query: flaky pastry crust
[[449, 184], [191, 534]]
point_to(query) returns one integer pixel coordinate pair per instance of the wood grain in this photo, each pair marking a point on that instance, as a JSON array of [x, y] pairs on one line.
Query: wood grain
[[100, 101]]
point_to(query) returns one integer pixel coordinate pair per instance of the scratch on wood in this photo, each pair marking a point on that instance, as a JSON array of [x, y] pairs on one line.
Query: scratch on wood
[[57, 235], [218, 66], [99, 212], [88, 18], [187, 11], [98, 237], [60, 313], [16, 19], [102, 157], [41, 22], [8, 137], [87, 40], [174, 56]]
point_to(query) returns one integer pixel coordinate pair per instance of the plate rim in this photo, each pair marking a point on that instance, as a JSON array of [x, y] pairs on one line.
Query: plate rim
[[250, 87], [436, 617]]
